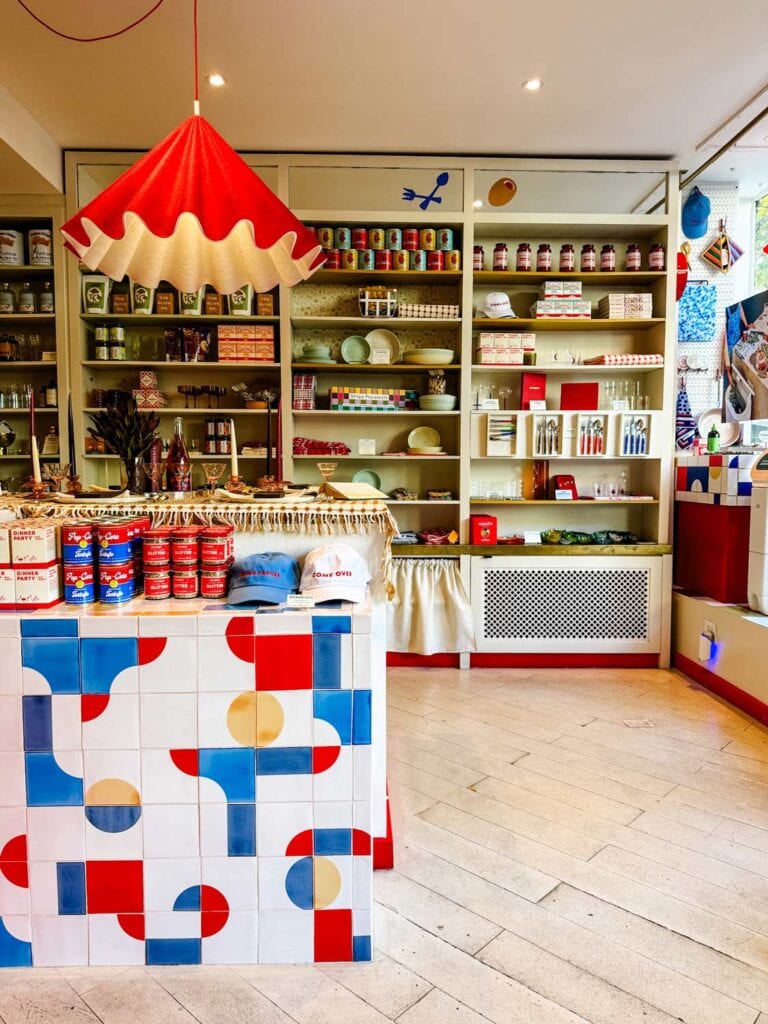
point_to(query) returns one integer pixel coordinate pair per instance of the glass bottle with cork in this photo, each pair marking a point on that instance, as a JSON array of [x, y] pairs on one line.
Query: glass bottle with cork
[[178, 468]]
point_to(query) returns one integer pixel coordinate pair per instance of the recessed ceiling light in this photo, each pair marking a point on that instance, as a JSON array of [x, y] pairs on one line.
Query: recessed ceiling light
[[216, 80], [478, 203], [532, 84]]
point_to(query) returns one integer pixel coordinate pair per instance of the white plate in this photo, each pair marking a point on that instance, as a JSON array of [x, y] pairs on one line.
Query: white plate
[[729, 432], [423, 437], [383, 341], [695, 361]]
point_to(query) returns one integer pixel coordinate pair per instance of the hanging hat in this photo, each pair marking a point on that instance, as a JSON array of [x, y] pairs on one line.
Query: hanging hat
[[696, 210]]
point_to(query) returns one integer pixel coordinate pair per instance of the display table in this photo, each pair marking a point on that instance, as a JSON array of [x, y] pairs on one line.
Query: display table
[[186, 783]]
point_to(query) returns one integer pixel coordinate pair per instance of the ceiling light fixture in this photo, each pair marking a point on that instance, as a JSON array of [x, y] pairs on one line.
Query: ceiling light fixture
[[216, 80], [478, 203], [532, 84]]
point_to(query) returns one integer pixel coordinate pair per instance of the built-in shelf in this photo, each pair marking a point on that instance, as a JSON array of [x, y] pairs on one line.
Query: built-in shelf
[[565, 458], [172, 318], [394, 459], [566, 368], [399, 501], [363, 277], [10, 272], [14, 457], [40, 410], [34, 318], [535, 277], [176, 411], [29, 364], [557, 324], [374, 323], [196, 456], [532, 227], [642, 550], [564, 504], [395, 368], [144, 364], [417, 413]]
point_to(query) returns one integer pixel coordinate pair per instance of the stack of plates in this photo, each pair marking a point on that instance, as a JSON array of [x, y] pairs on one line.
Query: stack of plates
[[424, 441], [429, 356], [317, 354], [437, 403]]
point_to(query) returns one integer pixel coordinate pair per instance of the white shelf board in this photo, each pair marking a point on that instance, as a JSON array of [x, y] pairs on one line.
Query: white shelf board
[[412, 323]]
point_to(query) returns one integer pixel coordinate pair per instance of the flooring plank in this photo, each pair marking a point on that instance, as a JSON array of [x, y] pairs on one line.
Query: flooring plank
[[218, 995], [309, 996], [438, 1008], [134, 995], [388, 986]]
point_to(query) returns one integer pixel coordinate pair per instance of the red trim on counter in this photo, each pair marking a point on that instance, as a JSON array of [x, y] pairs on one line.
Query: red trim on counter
[[564, 660], [395, 660], [733, 694]]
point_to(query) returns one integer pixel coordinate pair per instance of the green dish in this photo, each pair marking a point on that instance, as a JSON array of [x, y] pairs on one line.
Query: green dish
[[355, 349], [367, 476]]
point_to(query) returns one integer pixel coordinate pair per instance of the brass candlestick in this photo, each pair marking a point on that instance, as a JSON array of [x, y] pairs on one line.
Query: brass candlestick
[[73, 484], [39, 490], [236, 484]]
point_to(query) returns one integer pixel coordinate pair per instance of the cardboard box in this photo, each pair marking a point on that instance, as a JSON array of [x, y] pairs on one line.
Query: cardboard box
[[7, 588], [147, 379], [149, 398], [165, 303], [482, 529], [566, 309], [34, 542], [212, 304], [228, 351], [265, 304], [5, 544], [38, 586], [121, 303], [560, 290]]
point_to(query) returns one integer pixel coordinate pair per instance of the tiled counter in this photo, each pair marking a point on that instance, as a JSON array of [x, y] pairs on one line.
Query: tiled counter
[[186, 787]]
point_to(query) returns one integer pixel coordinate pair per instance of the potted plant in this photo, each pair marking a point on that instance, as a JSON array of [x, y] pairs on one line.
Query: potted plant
[[128, 433]]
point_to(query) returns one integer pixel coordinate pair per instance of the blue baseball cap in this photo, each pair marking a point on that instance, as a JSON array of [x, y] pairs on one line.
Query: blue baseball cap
[[268, 576], [696, 210]]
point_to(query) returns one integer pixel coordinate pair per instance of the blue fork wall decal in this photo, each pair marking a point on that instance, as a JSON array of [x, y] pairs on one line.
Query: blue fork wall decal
[[410, 194]]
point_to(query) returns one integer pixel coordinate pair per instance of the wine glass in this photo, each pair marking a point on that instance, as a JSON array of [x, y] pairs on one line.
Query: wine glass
[[213, 472], [327, 469], [56, 471], [154, 472]]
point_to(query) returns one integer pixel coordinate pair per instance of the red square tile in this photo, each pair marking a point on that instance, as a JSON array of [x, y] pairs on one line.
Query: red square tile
[[333, 935], [114, 886], [284, 662]]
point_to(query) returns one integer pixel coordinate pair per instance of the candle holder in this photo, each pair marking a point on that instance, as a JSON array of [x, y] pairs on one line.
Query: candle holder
[[73, 485], [236, 484], [39, 490]]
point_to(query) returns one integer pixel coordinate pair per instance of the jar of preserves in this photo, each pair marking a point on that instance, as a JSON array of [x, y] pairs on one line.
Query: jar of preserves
[[634, 258], [544, 257], [478, 258], [26, 298], [588, 258], [656, 257], [567, 258], [45, 299], [523, 261], [500, 256], [101, 343], [608, 257], [7, 299]]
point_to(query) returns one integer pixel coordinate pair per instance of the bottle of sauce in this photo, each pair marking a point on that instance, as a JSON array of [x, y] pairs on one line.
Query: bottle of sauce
[[178, 466], [478, 257], [656, 259], [26, 298], [544, 258], [588, 258], [7, 299], [523, 261], [500, 256], [51, 394], [634, 260], [45, 299], [608, 257], [567, 259], [713, 440]]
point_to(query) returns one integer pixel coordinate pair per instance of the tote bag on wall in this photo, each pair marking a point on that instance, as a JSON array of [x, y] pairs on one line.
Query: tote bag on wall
[[696, 312]]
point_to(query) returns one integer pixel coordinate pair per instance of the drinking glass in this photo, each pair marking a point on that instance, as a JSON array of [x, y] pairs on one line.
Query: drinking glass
[[505, 393], [327, 469], [56, 471], [213, 472]]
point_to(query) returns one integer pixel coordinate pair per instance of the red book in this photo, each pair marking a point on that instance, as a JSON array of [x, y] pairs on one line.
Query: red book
[[533, 388], [579, 396]]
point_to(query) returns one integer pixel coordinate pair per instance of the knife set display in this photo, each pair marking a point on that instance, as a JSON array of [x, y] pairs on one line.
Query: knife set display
[[634, 435], [592, 434], [548, 435]]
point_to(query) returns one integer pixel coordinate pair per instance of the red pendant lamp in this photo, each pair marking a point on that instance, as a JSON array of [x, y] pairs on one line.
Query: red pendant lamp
[[191, 212]]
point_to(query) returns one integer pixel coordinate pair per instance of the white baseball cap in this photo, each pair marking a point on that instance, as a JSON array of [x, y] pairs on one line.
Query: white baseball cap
[[335, 572], [497, 306]]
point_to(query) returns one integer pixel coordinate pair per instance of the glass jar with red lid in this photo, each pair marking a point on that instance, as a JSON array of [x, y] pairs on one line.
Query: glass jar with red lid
[[523, 261], [544, 257]]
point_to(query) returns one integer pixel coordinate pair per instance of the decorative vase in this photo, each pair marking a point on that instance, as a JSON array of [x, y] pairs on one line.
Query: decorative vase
[[133, 476]]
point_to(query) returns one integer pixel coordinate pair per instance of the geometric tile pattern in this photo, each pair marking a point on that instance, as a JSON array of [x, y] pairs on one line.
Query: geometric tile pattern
[[169, 797], [714, 479]]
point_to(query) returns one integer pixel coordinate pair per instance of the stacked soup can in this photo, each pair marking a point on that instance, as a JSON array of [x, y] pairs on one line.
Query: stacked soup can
[[375, 248], [120, 552], [187, 562], [77, 555]]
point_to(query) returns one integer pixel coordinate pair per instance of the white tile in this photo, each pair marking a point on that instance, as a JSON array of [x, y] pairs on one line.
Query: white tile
[[213, 710], [11, 733], [10, 664], [362, 771], [43, 894], [298, 717], [362, 894], [273, 872], [347, 661], [14, 899], [213, 830], [174, 670], [286, 937], [182, 624], [108, 943], [55, 833], [59, 941], [236, 943], [109, 625], [217, 623], [117, 727], [218, 668], [125, 845], [166, 879], [171, 830], [236, 878], [282, 623], [13, 822], [34, 683], [98, 765], [67, 721], [271, 789], [163, 783], [168, 720], [336, 782], [172, 924], [278, 824], [9, 625]]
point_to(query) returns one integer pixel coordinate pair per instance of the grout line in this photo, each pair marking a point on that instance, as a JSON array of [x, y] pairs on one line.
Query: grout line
[[424, 996]]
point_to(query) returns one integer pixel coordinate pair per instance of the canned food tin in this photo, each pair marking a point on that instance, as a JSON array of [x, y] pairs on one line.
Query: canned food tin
[[445, 239], [11, 247], [79, 585], [427, 238], [117, 333], [411, 238], [185, 583], [366, 259], [116, 583], [222, 446], [359, 238], [401, 260], [332, 259], [377, 238], [394, 239], [221, 427], [185, 545], [77, 544], [325, 237], [384, 259], [436, 260], [114, 542], [349, 259], [209, 446], [157, 547], [342, 238], [453, 260], [213, 583], [40, 247], [101, 334], [418, 260], [216, 543], [157, 585]]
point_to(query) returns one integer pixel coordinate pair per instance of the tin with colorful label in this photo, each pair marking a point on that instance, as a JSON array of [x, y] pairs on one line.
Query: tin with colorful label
[[79, 585], [359, 238], [213, 583], [40, 247], [185, 583], [185, 545], [453, 260], [116, 583], [418, 260], [394, 239], [427, 238], [411, 238], [445, 239], [349, 259], [384, 259], [401, 260], [377, 238], [436, 260], [366, 259], [77, 544], [342, 238], [325, 237], [216, 545], [157, 585], [113, 541], [332, 259], [157, 547]]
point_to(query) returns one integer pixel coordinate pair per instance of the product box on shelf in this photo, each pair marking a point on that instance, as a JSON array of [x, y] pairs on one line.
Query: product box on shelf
[[265, 304], [147, 379], [560, 290], [429, 311], [304, 390], [575, 395], [533, 388], [212, 304], [149, 398], [505, 348], [5, 544], [346, 399], [482, 529], [38, 586], [630, 306], [34, 542], [246, 343], [7, 588], [567, 309], [165, 303]]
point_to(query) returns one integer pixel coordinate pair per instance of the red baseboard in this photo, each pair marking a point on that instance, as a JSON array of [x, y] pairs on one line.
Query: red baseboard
[[564, 660], [395, 660], [739, 698], [384, 846]]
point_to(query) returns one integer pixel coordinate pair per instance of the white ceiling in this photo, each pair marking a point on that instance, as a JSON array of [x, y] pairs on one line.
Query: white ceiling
[[649, 78]]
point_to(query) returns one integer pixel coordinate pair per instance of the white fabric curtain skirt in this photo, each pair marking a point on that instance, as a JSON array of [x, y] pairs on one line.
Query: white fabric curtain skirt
[[430, 612]]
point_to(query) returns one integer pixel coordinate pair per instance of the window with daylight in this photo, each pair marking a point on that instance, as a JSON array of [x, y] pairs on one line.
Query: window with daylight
[[761, 243]]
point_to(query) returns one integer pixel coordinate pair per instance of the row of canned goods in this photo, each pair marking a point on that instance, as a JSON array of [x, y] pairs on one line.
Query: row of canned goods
[[114, 540], [188, 545], [378, 239], [120, 583], [392, 259]]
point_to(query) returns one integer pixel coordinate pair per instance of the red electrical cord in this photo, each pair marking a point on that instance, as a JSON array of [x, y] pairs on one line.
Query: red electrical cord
[[109, 35]]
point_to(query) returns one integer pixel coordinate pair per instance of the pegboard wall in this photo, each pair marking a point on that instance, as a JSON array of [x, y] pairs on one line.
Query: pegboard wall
[[704, 385]]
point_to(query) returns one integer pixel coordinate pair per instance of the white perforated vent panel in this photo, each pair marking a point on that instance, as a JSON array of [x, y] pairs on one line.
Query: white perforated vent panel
[[564, 605]]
